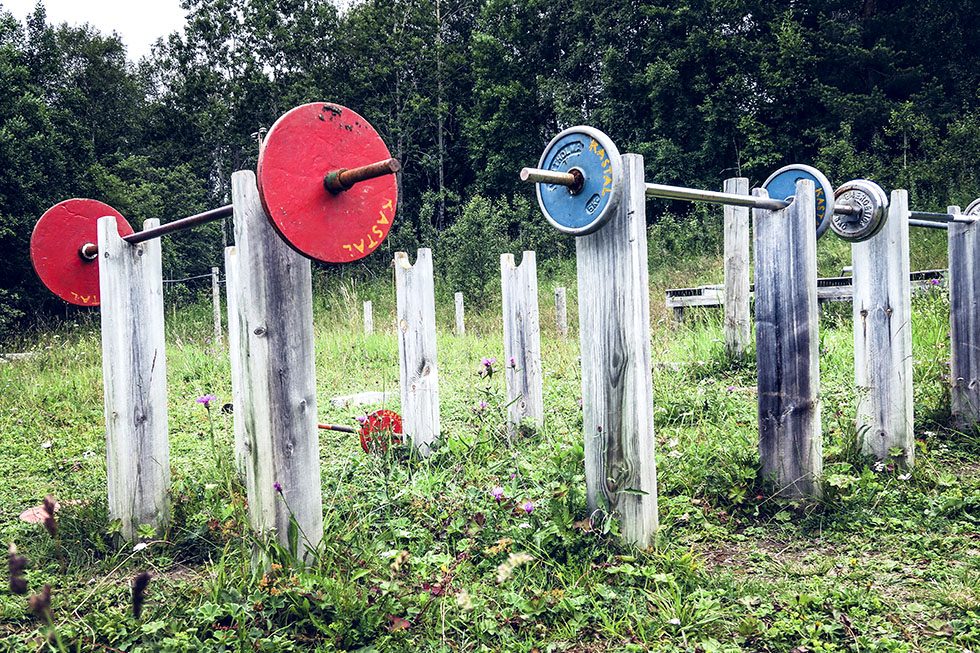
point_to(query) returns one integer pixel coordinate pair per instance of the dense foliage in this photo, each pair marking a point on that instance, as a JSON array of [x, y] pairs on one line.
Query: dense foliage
[[467, 92]]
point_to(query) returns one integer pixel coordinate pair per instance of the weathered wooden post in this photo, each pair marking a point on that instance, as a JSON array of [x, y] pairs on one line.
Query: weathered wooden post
[[964, 321], [561, 312], [522, 340], [219, 336], [787, 340], [276, 393], [460, 321], [736, 301], [883, 337], [415, 290], [238, 379], [368, 318], [134, 378], [617, 382]]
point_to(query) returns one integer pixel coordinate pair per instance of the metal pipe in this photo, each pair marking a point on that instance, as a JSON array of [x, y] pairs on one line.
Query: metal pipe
[[336, 182], [340, 180], [923, 216], [928, 224], [662, 191], [335, 427]]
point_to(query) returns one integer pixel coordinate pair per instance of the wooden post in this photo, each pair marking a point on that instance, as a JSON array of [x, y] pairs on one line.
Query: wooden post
[[882, 307], [460, 322], [522, 340], [617, 382], [218, 338], [787, 340], [134, 378], [736, 302], [964, 321], [238, 380], [368, 318], [561, 312], [415, 290], [276, 385]]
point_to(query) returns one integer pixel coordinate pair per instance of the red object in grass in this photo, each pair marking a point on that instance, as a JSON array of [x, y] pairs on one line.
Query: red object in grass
[[379, 428]]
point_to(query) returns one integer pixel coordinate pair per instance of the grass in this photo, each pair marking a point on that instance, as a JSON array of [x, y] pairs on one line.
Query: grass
[[418, 555]]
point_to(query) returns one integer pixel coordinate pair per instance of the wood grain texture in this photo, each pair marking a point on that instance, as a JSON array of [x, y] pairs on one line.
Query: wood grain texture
[[522, 340], [276, 391], [218, 333], [561, 312], [419, 371], [738, 327], [617, 384], [238, 381], [368, 318], [787, 341], [134, 376], [460, 315], [883, 337], [964, 321]]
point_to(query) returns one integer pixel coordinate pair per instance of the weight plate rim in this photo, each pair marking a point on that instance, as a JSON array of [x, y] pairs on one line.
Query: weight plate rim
[[873, 188], [824, 224], [387, 183], [617, 178], [973, 208], [59, 266]]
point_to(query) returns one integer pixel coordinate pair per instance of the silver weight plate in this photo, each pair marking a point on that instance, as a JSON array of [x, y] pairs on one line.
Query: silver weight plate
[[872, 203], [973, 208]]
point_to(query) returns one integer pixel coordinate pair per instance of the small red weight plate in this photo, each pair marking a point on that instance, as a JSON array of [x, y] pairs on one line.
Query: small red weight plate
[[300, 149], [380, 427], [56, 243]]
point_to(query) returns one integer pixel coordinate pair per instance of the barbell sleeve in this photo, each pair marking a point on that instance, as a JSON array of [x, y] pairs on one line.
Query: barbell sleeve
[[928, 224], [344, 179]]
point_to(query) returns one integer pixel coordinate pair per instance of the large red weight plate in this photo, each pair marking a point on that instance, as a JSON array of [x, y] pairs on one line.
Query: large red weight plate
[[56, 243], [379, 428], [300, 149]]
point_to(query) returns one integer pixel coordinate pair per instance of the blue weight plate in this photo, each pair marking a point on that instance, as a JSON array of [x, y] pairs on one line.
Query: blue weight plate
[[596, 157], [781, 185]]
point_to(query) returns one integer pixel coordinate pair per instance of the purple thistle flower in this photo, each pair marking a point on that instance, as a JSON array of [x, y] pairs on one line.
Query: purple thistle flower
[[528, 507], [731, 388], [362, 419], [277, 486], [935, 282], [207, 400], [512, 362], [487, 370], [482, 405], [497, 493]]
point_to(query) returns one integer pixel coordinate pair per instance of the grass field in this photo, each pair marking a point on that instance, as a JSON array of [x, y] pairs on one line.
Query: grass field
[[419, 555]]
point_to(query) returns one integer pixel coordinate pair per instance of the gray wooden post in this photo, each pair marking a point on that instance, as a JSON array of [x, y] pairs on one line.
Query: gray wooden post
[[415, 291], [276, 388], [218, 338], [736, 302], [617, 383], [522, 340], [368, 318], [561, 312], [964, 321], [460, 321], [882, 304], [238, 380], [134, 378], [787, 340]]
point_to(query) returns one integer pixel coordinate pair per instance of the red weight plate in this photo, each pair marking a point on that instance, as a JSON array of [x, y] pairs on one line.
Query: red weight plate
[[379, 428], [56, 242], [300, 149]]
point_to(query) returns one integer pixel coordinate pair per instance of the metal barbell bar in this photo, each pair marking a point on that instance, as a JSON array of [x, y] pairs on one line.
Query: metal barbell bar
[[336, 181], [585, 163], [309, 158]]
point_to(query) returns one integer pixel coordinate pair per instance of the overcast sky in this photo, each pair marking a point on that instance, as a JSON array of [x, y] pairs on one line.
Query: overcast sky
[[138, 22]]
